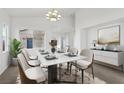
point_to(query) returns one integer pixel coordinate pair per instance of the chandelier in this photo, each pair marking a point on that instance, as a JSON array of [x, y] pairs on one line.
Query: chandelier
[[53, 15]]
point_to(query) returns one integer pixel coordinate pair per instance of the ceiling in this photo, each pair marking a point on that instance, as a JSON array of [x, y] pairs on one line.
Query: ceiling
[[37, 12]]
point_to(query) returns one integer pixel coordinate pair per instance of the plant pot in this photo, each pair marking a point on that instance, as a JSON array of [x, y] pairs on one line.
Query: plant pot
[[14, 61]]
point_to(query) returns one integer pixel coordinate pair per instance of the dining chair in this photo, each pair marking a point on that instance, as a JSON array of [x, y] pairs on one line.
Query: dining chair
[[32, 60], [28, 74], [30, 54], [73, 51], [84, 64]]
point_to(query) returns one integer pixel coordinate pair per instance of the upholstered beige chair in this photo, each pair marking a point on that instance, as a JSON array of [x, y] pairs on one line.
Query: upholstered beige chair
[[31, 57], [85, 64], [30, 74], [73, 51], [30, 54]]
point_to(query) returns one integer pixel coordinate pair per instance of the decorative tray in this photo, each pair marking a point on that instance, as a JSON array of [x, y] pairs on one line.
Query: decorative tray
[[41, 50], [70, 55], [50, 57], [44, 53], [60, 51]]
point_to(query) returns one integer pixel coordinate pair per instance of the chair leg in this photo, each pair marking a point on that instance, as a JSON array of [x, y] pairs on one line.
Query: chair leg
[[60, 69], [67, 66], [76, 70], [82, 76], [92, 71], [70, 68]]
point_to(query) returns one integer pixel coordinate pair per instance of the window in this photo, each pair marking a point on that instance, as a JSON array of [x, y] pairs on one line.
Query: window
[[63, 41], [29, 43], [5, 38]]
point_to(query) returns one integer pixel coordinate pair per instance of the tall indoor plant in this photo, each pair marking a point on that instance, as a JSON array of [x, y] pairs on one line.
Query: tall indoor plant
[[15, 49]]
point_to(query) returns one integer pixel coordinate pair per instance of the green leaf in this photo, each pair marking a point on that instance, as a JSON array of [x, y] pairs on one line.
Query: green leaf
[[15, 47]]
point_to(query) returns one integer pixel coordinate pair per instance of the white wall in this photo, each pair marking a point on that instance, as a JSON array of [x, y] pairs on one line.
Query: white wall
[[51, 29], [92, 33], [4, 62], [86, 18], [92, 16]]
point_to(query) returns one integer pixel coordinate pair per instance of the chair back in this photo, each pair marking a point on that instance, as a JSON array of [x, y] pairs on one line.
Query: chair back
[[22, 61], [29, 54], [24, 52], [88, 53], [23, 66]]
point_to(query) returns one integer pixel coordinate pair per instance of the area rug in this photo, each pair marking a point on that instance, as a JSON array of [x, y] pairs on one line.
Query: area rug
[[74, 76]]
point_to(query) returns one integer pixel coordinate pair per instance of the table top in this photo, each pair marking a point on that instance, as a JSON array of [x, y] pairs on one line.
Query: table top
[[61, 58]]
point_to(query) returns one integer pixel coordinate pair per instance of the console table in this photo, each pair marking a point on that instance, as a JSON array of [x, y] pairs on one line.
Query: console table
[[115, 58]]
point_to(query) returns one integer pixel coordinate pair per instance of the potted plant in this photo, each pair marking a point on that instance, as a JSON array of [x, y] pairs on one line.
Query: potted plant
[[15, 49]]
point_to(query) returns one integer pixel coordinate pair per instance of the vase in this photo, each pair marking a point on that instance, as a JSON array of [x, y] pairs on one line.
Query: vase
[[53, 50]]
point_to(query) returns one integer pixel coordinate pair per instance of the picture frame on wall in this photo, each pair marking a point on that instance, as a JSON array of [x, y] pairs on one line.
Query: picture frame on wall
[[109, 35]]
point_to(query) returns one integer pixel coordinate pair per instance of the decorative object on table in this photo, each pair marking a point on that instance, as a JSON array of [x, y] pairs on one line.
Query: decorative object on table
[[53, 15], [53, 49], [116, 48], [71, 55], [60, 51], [94, 42], [63, 50], [15, 49], [68, 48], [45, 53], [50, 57], [105, 47], [40, 50], [53, 43], [73, 51]]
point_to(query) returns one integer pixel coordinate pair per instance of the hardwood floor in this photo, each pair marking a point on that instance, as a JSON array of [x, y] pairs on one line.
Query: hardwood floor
[[9, 76], [109, 74], [105, 73]]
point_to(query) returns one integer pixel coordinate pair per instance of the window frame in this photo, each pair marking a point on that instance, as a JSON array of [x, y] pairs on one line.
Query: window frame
[[5, 38]]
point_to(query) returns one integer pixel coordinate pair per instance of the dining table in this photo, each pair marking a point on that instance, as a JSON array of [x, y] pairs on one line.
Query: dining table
[[52, 64]]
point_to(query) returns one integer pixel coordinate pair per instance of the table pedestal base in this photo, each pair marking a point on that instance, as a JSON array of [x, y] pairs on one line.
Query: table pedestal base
[[52, 74]]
